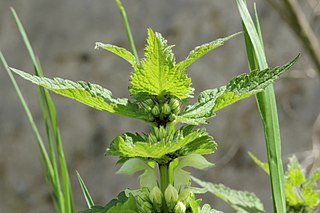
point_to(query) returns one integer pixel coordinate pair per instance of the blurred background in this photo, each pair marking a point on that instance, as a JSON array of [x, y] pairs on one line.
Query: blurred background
[[63, 34]]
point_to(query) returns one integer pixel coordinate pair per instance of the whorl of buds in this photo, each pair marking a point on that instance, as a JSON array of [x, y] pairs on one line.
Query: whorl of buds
[[180, 208], [156, 197], [171, 196]]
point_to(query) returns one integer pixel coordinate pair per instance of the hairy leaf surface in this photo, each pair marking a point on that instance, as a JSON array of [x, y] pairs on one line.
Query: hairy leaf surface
[[89, 94], [241, 201], [200, 51], [184, 142], [121, 204], [156, 75], [206, 208], [240, 87], [119, 51]]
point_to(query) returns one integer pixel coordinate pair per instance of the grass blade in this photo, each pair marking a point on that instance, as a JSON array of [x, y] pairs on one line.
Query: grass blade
[[49, 114], [46, 162], [267, 107], [128, 30], [85, 192]]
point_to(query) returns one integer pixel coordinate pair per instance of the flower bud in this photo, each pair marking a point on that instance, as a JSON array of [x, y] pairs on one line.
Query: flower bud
[[172, 117], [156, 196], [166, 109], [184, 196], [180, 208], [152, 138], [171, 196], [175, 105], [162, 132], [155, 110], [146, 207]]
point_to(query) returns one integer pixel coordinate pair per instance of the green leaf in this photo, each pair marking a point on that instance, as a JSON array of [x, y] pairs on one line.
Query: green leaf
[[206, 208], [85, 192], [149, 176], [262, 165], [240, 87], [310, 196], [184, 142], [182, 177], [89, 94], [241, 201], [200, 51], [156, 75], [123, 53], [121, 204], [314, 178], [295, 176]]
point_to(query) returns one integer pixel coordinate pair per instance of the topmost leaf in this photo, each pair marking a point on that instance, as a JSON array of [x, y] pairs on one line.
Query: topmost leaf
[[158, 73]]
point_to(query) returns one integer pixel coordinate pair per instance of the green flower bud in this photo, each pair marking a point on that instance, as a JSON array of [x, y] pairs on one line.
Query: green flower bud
[[171, 196], [180, 208], [152, 138], [172, 117], [162, 132], [166, 109], [156, 196], [175, 105], [155, 110], [185, 196], [143, 196], [146, 207]]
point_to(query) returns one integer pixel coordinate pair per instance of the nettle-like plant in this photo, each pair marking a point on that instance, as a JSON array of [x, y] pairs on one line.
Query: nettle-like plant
[[301, 192], [160, 91]]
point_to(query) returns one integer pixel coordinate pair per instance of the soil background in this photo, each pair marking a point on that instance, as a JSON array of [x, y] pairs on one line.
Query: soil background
[[63, 34]]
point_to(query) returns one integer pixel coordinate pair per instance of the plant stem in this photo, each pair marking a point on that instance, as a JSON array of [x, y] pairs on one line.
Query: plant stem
[[128, 30], [164, 182]]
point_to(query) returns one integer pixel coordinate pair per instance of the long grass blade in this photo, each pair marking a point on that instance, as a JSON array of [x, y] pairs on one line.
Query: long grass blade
[[267, 107], [48, 109], [85, 192], [44, 155], [128, 30]]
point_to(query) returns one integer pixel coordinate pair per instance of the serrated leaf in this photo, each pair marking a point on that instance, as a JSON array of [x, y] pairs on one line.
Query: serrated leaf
[[240, 87], [295, 175], [314, 178], [89, 94], [310, 196], [206, 208], [261, 164], [291, 196], [149, 176], [156, 74], [121, 204], [200, 51], [127, 206], [119, 51], [241, 201], [184, 142], [182, 177]]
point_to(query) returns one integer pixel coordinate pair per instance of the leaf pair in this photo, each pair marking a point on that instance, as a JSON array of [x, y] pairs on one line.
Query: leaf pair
[[158, 76], [184, 142]]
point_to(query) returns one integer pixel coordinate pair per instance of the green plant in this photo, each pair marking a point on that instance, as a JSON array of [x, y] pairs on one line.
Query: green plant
[[160, 90], [301, 192]]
